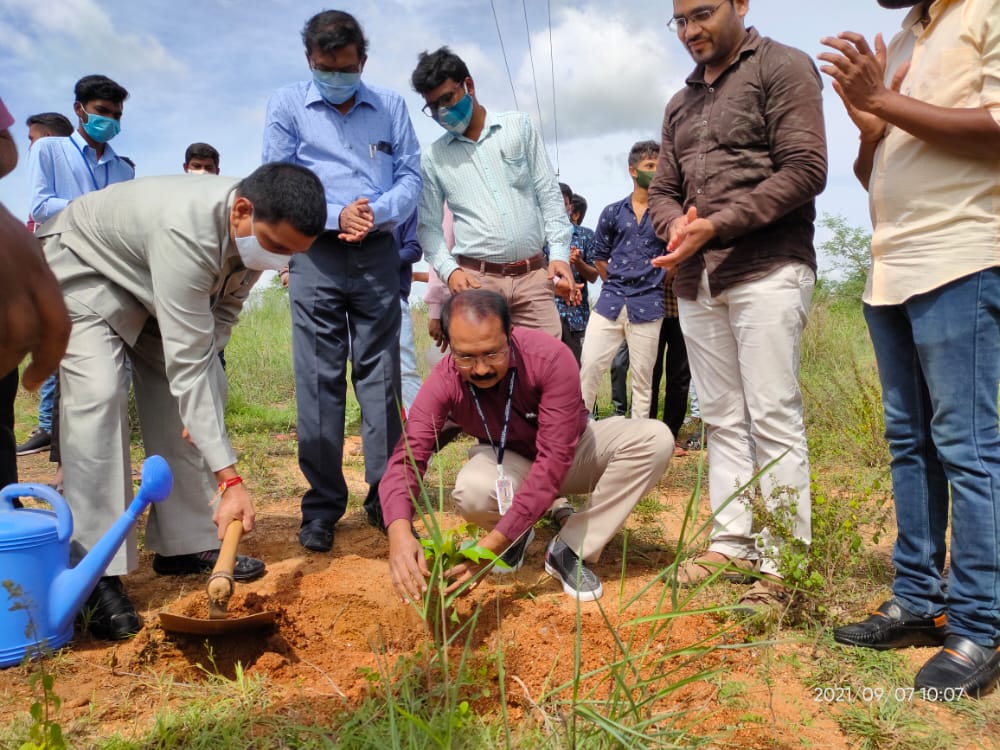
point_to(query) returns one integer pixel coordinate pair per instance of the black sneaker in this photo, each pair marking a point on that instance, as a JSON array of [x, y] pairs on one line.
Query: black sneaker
[[513, 556], [245, 569], [108, 613], [577, 579], [39, 440], [962, 669], [892, 626]]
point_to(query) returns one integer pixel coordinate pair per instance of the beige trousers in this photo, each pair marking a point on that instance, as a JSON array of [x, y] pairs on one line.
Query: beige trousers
[[601, 342], [617, 461], [530, 298]]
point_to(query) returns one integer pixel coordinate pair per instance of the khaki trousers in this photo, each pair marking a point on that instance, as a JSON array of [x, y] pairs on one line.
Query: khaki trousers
[[617, 461], [529, 296], [601, 343]]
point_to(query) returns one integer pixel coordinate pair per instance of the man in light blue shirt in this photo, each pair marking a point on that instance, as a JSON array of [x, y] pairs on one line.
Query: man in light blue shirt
[[61, 169], [359, 141], [493, 171]]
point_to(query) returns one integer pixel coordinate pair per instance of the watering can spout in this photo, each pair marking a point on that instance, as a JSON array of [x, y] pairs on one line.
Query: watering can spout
[[73, 585]]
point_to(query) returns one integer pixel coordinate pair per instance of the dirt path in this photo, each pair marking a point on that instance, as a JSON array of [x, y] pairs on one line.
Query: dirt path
[[338, 617]]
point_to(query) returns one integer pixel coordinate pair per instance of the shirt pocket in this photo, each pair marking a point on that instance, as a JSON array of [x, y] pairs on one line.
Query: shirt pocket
[[515, 165]]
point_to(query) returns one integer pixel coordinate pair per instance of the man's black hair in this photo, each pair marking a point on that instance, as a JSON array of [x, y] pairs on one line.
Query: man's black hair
[[566, 190], [53, 123], [477, 304], [434, 68], [201, 151], [93, 87], [332, 29], [578, 205], [286, 192], [643, 150]]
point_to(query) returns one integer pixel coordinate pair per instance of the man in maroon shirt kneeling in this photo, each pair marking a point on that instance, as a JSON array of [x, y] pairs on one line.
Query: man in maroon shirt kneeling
[[517, 392]]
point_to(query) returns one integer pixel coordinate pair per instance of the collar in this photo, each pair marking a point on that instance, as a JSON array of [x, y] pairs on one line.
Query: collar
[[490, 123], [751, 42], [913, 18], [81, 143], [364, 95]]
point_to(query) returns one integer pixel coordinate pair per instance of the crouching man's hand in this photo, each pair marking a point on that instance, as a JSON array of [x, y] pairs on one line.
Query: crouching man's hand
[[407, 567]]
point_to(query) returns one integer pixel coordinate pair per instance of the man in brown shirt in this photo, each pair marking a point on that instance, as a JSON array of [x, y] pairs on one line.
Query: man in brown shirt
[[743, 156]]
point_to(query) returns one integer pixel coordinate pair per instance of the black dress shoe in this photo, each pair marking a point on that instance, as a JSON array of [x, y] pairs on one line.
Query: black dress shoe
[[317, 535], [961, 669], [891, 626], [373, 509], [245, 568], [108, 613]]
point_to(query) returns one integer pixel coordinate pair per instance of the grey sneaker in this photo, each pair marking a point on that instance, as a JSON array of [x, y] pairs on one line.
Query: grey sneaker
[[514, 554], [577, 579]]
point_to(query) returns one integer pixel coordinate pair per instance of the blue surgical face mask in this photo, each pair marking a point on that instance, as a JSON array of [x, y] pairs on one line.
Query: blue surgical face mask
[[255, 257], [336, 88], [102, 129], [456, 119]]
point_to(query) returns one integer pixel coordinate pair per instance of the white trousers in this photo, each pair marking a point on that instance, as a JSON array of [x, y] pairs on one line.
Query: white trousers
[[743, 347], [601, 342]]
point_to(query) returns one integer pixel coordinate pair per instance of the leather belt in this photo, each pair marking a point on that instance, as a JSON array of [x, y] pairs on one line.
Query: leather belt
[[515, 268]]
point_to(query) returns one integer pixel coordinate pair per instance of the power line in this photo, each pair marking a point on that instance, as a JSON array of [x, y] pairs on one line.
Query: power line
[[504, 52], [552, 62], [534, 79]]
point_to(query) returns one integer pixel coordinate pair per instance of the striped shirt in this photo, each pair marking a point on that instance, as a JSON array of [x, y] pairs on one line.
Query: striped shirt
[[502, 191]]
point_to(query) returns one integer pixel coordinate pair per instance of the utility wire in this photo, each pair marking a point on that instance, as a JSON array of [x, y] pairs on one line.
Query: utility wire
[[534, 79], [552, 62], [504, 52]]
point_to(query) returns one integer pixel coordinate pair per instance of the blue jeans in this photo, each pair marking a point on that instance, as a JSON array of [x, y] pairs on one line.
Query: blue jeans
[[938, 357], [46, 402]]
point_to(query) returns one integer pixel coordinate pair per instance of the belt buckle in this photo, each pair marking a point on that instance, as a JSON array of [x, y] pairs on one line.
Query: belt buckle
[[514, 268]]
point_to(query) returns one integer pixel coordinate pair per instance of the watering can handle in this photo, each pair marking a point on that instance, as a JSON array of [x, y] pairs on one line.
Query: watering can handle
[[64, 517]]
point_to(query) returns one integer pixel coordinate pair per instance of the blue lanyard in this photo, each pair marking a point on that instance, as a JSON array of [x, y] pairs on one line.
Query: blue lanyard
[[86, 163], [502, 446]]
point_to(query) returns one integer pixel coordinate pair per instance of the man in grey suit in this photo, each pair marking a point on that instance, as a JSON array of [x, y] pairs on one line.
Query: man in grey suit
[[157, 270]]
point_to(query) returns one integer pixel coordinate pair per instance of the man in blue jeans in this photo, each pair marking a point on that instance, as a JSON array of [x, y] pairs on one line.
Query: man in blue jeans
[[930, 160]]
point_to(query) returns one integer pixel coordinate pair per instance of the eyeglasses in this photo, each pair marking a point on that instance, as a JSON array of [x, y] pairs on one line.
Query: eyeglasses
[[699, 17], [445, 101], [468, 361]]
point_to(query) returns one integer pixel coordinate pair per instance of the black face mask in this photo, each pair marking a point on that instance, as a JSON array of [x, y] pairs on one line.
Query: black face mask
[[894, 4]]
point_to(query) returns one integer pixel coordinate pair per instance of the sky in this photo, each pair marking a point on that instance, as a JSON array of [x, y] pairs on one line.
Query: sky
[[203, 71]]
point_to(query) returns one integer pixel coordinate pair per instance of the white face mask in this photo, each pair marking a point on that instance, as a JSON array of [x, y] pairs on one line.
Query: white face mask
[[199, 170], [255, 257]]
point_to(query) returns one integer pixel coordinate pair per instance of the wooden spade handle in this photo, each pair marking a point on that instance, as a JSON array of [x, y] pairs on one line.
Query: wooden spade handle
[[220, 583]]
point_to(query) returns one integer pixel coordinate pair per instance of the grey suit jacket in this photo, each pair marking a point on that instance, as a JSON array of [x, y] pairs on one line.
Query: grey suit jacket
[[159, 248]]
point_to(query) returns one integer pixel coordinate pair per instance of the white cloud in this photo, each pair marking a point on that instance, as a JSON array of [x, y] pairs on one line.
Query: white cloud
[[80, 33], [611, 75]]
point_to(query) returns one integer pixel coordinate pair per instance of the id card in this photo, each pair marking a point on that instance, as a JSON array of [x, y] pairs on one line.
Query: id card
[[504, 490]]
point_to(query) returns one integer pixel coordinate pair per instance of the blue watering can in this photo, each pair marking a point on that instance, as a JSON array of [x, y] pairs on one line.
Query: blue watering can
[[41, 594]]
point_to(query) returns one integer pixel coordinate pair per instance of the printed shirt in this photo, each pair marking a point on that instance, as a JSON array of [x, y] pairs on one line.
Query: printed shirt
[[628, 246], [936, 213], [370, 152], [547, 419], [501, 189], [576, 316], [749, 152], [61, 169]]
